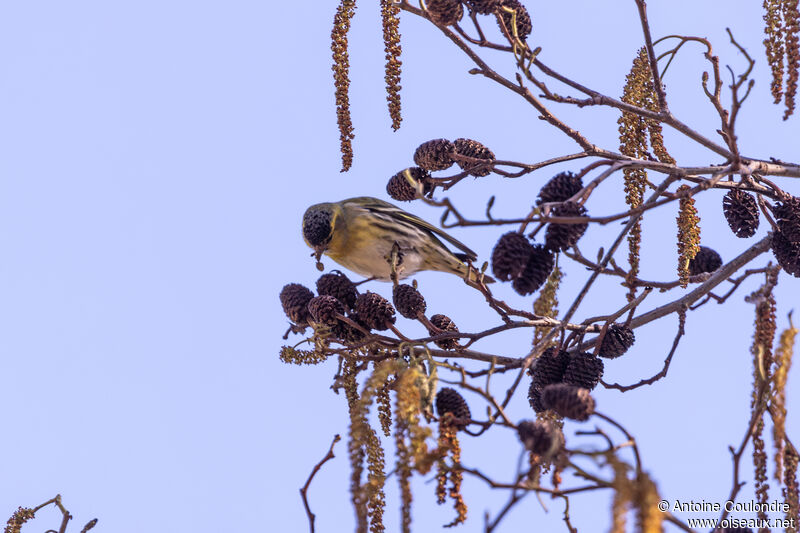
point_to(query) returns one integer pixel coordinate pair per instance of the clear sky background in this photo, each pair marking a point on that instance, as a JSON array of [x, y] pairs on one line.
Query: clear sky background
[[156, 161]]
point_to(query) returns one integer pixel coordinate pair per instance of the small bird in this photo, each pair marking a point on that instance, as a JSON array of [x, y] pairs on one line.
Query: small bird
[[362, 234]]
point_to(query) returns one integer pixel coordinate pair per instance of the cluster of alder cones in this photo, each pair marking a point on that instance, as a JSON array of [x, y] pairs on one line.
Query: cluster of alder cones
[[339, 298], [439, 154], [511, 13], [580, 370], [528, 265], [741, 211], [541, 437]]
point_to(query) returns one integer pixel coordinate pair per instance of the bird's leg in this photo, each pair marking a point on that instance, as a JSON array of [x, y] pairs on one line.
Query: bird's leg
[[395, 259]]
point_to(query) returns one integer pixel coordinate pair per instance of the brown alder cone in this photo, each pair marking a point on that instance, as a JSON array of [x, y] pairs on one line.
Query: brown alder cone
[[436, 154], [741, 212], [569, 401], [294, 300]]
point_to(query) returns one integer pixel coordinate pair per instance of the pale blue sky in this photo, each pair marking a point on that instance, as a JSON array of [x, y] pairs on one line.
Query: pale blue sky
[[157, 158]]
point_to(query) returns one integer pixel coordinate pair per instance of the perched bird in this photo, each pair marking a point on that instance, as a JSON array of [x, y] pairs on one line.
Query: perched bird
[[360, 234]]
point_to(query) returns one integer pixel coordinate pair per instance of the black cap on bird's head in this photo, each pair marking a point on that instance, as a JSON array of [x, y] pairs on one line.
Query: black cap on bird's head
[[318, 226]]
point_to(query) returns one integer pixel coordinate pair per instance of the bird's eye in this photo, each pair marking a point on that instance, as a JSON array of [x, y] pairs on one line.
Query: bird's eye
[[317, 227]]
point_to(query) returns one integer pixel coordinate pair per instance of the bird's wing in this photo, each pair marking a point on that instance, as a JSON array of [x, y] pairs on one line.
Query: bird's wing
[[367, 202]]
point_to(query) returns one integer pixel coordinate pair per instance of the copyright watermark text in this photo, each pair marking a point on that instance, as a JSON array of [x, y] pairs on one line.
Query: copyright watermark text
[[734, 508]]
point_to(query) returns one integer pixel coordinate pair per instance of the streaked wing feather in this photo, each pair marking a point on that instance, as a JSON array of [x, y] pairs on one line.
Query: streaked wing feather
[[374, 203]]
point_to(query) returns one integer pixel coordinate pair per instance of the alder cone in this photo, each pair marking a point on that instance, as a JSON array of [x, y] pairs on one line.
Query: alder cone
[[618, 339], [547, 369], [787, 215], [294, 300], [560, 188], [375, 311], [450, 401], [348, 333], [474, 149], [510, 256], [444, 323], [568, 401], [538, 268], [741, 212], [563, 236], [323, 309], [539, 437], [535, 398], [706, 260], [401, 190], [408, 301], [434, 155], [339, 286], [445, 12], [483, 7], [524, 25], [584, 370], [787, 253]]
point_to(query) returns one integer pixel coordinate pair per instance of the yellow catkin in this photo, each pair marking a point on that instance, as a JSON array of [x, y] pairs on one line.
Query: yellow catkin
[[407, 410], [390, 11], [773, 29], [18, 519], [444, 444], [633, 143], [546, 305], [385, 407], [365, 444], [791, 491], [293, 356], [448, 442], [623, 494], [761, 350], [355, 448], [791, 17], [341, 78], [456, 477], [688, 234], [634, 133], [783, 362], [649, 519]]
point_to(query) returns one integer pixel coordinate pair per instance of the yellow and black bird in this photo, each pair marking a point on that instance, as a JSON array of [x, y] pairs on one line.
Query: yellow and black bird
[[360, 234]]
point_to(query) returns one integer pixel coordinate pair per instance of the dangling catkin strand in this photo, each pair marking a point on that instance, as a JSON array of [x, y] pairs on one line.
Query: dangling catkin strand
[[623, 494], [365, 439], [646, 500], [456, 477], [791, 491], [546, 305], [385, 407], [446, 434], [390, 11], [341, 78], [791, 19], [773, 29], [688, 233], [633, 143], [407, 408], [293, 356], [761, 350], [783, 361], [355, 447]]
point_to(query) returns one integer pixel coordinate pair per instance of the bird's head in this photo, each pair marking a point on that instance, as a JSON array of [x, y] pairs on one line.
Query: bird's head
[[319, 222]]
